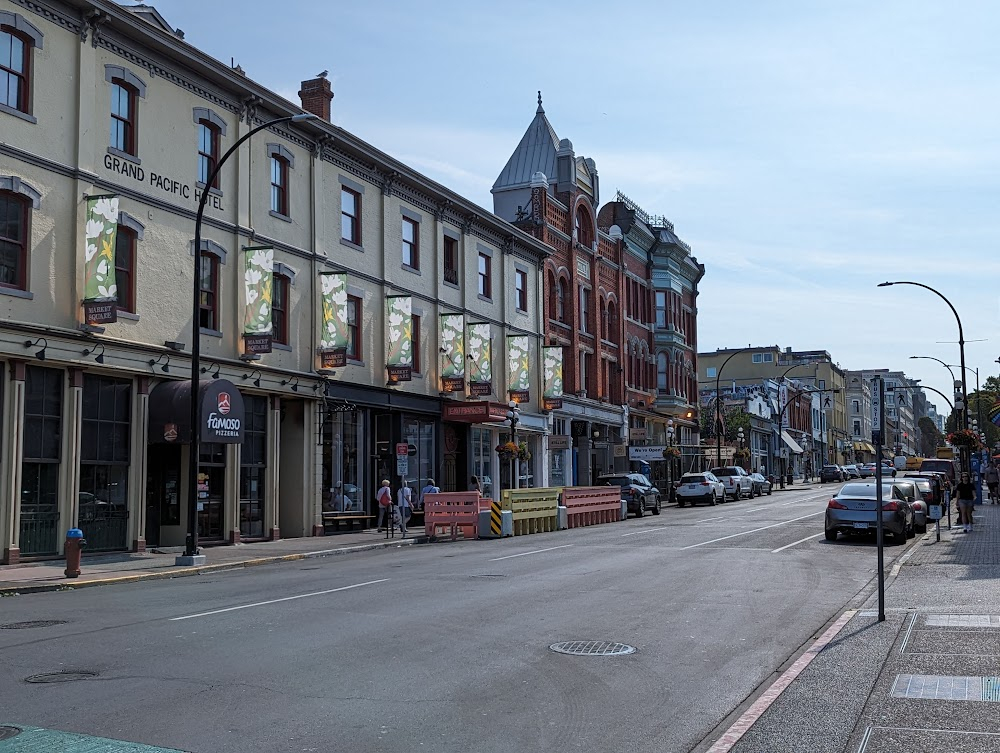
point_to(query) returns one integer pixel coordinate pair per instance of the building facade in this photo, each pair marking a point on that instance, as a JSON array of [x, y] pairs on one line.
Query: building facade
[[113, 119]]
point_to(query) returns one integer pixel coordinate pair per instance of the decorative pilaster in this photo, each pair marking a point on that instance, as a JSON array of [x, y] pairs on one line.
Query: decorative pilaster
[[12, 422], [138, 465]]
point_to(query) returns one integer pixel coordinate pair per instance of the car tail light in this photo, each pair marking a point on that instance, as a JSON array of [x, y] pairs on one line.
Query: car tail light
[[890, 506], [835, 505], [704, 483]]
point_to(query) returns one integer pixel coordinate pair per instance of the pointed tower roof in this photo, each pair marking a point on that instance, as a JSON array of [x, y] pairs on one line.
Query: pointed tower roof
[[535, 153]]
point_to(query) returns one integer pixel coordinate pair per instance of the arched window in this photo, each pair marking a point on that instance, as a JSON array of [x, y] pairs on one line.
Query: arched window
[[550, 290], [14, 209], [661, 372], [612, 322], [604, 319], [561, 301], [584, 229]]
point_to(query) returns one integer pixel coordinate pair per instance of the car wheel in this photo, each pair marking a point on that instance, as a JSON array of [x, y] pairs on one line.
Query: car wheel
[[656, 506], [712, 501], [911, 531], [769, 490], [738, 494], [921, 529], [830, 534], [680, 502], [641, 509]]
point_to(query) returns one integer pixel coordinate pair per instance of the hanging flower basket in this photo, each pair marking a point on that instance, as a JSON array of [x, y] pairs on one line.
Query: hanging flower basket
[[964, 438], [522, 451], [507, 451], [742, 455], [670, 453]]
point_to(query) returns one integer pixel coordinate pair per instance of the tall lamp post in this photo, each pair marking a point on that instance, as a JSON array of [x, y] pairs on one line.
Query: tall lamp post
[[781, 413], [670, 460], [191, 541], [961, 349], [514, 415]]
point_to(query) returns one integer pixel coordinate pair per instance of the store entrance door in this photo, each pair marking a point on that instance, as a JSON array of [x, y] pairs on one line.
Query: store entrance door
[[163, 490]]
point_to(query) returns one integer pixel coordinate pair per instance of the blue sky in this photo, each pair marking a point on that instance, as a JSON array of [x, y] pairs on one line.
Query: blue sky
[[806, 151]]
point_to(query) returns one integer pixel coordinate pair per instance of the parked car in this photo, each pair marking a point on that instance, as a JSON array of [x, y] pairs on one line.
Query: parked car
[[736, 479], [949, 467], [831, 473], [929, 492], [852, 471], [699, 487], [761, 485], [637, 491], [867, 470], [852, 511]]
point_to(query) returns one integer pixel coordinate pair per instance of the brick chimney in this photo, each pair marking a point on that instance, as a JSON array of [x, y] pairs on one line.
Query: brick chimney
[[316, 95]]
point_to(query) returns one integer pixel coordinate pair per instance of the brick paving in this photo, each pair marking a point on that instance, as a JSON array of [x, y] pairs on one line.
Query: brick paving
[[981, 547]]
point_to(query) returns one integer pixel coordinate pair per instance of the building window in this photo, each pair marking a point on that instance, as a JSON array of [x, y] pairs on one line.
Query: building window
[[822, 384], [768, 357], [279, 186], [710, 372], [521, 290], [661, 309], [123, 117], [212, 464], [253, 466], [279, 309], [208, 151], [485, 276], [209, 296], [661, 372], [13, 241], [584, 230], [15, 62], [857, 428], [857, 406], [125, 241], [561, 301], [350, 215], [451, 260], [411, 243], [43, 397], [758, 358], [583, 371], [353, 338], [584, 311], [415, 337], [612, 322]]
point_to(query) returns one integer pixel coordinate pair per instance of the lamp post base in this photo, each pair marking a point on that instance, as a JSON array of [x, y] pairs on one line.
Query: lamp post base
[[188, 560]]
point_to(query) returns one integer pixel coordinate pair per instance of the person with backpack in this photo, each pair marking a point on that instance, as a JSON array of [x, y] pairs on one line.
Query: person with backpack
[[428, 489], [384, 498]]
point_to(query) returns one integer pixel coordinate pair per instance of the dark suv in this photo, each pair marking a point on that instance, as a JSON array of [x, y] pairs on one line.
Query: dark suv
[[831, 473], [636, 491]]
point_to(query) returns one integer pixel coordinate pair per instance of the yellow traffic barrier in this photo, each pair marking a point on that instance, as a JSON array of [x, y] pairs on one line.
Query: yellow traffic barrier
[[534, 510]]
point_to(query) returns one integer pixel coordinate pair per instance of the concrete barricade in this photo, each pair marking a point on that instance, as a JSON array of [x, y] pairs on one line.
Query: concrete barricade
[[452, 513], [590, 505], [534, 510]]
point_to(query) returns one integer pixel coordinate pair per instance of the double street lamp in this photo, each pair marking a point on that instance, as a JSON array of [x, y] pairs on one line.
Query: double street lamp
[[514, 415], [191, 541], [670, 460]]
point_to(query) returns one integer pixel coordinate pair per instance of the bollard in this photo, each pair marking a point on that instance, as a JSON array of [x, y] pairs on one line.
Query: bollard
[[624, 509], [562, 518], [74, 548]]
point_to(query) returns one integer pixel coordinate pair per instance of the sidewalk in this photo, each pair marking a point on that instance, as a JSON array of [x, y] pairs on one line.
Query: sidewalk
[[104, 569], [923, 680]]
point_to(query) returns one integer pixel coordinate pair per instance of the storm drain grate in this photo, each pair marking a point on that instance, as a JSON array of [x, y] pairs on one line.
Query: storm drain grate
[[592, 648], [6, 733], [61, 676], [31, 624], [947, 688], [963, 620]]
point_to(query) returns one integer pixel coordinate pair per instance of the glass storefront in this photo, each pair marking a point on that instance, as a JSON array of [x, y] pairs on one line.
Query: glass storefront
[[558, 473], [342, 471], [253, 467], [211, 490], [483, 442], [43, 402], [419, 435], [104, 461]]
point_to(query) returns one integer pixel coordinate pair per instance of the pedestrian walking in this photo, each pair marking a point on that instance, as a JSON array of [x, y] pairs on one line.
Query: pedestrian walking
[[405, 510], [966, 492], [475, 485], [384, 498], [992, 476], [429, 488]]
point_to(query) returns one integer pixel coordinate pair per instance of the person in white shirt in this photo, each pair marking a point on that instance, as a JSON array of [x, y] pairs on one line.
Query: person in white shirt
[[403, 501]]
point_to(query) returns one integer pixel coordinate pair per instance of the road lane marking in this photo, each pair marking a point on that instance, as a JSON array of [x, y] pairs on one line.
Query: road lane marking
[[742, 725], [754, 530], [276, 601], [646, 530], [709, 520], [525, 554], [800, 541]]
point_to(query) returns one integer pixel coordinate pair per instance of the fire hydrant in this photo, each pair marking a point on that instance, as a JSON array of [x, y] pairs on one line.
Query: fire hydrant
[[74, 548]]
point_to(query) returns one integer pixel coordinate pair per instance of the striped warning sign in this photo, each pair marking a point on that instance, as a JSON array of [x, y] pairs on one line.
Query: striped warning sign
[[495, 526]]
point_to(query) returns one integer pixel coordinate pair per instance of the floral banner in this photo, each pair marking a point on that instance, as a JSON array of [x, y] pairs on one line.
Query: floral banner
[[399, 336], [552, 371], [480, 345], [100, 289], [518, 354], [258, 285], [333, 333], [453, 352]]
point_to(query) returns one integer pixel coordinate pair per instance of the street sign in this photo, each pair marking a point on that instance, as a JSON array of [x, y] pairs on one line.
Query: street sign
[[878, 411], [402, 465], [648, 453], [637, 434], [620, 451], [934, 512], [402, 449]]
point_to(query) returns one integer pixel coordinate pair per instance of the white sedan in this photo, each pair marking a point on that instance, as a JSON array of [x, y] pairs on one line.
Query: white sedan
[[699, 487]]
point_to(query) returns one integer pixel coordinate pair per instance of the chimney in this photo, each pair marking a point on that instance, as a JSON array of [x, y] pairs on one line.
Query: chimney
[[316, 95]]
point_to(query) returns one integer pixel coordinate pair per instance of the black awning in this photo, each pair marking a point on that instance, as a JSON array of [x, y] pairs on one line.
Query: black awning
[[221, 412]]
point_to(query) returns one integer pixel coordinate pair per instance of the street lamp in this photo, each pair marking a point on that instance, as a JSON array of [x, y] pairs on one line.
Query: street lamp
[[514, 415], [781, 413], [670, 460], [191, 541]]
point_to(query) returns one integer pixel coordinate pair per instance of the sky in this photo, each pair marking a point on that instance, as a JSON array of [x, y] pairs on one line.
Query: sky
[[805, 151]]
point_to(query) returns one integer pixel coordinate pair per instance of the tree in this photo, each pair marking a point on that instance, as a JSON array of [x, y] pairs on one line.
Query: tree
[[930, 437], [734, 417]]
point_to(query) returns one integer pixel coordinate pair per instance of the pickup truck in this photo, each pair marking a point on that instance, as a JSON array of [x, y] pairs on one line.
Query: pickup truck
[[737, 481]]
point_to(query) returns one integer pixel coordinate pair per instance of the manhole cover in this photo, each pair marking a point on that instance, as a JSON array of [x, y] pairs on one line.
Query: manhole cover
[[31, 624], [61, 677], [592, 648], [8, 732]]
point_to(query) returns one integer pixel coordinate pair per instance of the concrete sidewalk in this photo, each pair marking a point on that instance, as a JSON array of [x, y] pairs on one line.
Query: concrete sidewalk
[[105, 569], [923, 680]]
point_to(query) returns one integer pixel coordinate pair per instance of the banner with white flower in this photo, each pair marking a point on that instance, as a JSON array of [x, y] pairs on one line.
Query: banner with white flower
[[518, 363], [399, 336], [453, 352], [552, 377], [258, 286], [479, 340], [100, 289], [333, 336]]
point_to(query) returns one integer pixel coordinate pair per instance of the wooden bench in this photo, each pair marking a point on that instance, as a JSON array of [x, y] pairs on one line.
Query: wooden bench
[[341, 522]]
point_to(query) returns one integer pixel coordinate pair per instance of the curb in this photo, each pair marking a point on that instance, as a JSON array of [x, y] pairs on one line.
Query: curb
[[188, 571]]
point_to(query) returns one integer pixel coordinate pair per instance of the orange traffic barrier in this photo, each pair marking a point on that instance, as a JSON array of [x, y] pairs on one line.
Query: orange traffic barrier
[[452, 513], [590, 505]]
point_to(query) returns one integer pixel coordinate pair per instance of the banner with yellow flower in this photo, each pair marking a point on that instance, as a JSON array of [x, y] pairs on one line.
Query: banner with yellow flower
[[518, 355], [258, 287], [399, 336], [453, 352], [100, 289], [479, 342], [552, 373], [334, 333]]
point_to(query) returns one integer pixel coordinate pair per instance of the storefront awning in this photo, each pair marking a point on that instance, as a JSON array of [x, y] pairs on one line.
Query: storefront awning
[[221, 412], [479, 412], [863, 447], [792, 444]]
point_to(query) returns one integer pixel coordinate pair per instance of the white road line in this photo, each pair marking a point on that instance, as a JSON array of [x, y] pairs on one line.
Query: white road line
[[646, 530], [800, 541], [276, 601], [525, 554], [709, 520], [754, 530]]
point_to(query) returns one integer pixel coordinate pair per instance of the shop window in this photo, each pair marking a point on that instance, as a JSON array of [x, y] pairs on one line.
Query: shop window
[[209, 295], [43, 401], [420, 436], [14, 240], [482, 460], [354, 351], [212, 490], [342, 482], [451, 260], [279, 309], [253, 466], [350, 215], [104, 461]]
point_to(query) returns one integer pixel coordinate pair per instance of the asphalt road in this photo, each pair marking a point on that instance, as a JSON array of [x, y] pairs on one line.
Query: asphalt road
[[445, 647]]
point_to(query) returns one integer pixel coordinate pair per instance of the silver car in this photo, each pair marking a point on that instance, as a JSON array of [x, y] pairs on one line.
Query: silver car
[[918, 489], [699, 487], [852, 511]]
